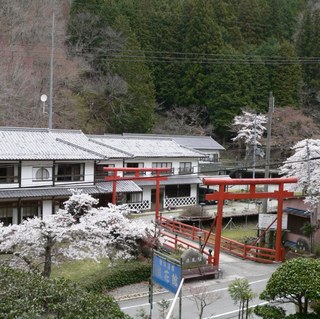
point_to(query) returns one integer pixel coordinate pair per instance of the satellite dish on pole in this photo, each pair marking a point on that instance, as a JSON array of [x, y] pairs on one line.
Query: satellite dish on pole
[[43, 99]]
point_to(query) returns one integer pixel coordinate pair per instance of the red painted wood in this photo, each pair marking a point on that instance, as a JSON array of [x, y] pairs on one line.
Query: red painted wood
[[138, 175], [223, 195]]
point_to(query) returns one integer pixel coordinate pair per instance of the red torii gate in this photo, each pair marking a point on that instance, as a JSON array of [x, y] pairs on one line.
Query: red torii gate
[[223, 195], [138, 171]]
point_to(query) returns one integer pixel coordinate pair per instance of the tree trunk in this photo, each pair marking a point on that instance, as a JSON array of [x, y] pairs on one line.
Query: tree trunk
[[305, 305], [47, 261], [247, 308]]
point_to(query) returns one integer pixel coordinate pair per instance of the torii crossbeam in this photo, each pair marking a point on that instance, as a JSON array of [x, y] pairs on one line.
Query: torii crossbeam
[[223, 195], [139, 174]]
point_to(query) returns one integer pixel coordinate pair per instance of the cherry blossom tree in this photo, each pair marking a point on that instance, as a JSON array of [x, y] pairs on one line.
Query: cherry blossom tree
[[103, 232], [305, 165], [249, 128]]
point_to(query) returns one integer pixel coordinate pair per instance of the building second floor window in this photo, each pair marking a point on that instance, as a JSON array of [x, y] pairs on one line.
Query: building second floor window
[[185, 168], [211, 158], [100, 173], [8, 173], [69, 172], [163, 165], [133, 165]]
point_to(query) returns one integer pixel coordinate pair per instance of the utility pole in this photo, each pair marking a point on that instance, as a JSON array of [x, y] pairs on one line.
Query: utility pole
[[51, 69], [254, 146], [268, 149]]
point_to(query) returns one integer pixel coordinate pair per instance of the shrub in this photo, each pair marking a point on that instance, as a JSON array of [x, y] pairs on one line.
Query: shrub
[[30, 296], [315, 306], [317, 250], [269, 312], [122, 274]]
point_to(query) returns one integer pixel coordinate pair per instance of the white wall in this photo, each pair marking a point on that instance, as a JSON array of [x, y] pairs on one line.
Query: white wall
[[28, 169], [15, 215], [146, 195], [46, 208]]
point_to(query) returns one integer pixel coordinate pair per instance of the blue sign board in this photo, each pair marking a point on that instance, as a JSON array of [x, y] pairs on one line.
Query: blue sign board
[[166, 273]]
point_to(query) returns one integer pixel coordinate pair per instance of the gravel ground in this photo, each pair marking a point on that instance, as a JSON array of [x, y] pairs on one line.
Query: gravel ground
[[132, 291]]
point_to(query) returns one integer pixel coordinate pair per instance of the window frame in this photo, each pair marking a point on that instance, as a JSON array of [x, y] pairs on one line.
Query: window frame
[[184, 168], [71, 176], [9, 177], [163, 165], [35, 178], [99, 173]]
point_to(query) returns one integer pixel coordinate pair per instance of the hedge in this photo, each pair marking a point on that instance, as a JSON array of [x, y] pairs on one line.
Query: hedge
[[30, 296], [119, 275]]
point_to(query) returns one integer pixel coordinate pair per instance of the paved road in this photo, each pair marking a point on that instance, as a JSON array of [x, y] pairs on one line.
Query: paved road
[[215, 290]]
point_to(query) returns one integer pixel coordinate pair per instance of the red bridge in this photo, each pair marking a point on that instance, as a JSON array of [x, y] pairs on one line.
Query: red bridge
[[183, 235]]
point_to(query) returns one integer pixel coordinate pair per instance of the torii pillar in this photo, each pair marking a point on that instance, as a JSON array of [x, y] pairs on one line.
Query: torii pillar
[[223, 195], [138, 174]]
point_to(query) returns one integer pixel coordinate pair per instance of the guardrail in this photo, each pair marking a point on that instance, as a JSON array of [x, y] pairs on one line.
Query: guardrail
[[200, 236]]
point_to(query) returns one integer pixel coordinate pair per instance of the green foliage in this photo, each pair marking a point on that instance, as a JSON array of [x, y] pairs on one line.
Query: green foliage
[[269, 312], [295, 281], [220, 55], [29, 296], [315, 306], [303, 316], [308, 229], [317, 250], [163, 308], [117, 88], [124, 273], [241, 293]]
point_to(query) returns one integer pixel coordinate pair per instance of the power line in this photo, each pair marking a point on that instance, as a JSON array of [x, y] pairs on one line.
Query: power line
[[170, 60], [169, 55]]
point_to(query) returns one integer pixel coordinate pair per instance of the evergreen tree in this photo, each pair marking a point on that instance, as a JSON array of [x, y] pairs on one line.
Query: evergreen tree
[[308, 48], [286, 76]]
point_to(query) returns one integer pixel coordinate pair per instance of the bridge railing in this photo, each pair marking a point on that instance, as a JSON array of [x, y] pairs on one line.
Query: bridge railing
[[200, 236]]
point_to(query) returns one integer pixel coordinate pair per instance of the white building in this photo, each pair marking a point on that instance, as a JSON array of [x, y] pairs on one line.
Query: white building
[[38, 167]]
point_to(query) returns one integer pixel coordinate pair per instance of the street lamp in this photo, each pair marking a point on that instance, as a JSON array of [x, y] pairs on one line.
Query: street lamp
[[200, 234]]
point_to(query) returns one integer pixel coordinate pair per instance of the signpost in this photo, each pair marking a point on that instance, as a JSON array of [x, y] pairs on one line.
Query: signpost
[[166, 272]]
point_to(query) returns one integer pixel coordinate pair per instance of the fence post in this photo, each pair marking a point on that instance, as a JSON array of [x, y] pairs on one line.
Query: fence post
[[245, 249]]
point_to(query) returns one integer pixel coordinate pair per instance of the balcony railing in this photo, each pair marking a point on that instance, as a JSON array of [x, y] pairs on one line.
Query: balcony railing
[[186, 170]]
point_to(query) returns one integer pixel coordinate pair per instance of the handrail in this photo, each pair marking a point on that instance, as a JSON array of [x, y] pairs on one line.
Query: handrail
[[245, 251]]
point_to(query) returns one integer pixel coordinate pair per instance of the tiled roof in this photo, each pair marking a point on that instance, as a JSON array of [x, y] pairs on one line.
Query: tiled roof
[[38, 144], [80, 140], [45, 144], [196, 142], [147, 146], [103, 187]]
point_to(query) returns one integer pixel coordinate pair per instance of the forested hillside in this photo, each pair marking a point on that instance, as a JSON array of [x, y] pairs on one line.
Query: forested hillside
[[174, 66]]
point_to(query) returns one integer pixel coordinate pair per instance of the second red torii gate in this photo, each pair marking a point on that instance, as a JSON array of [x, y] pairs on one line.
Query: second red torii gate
[[138, 175], [223, 195]]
